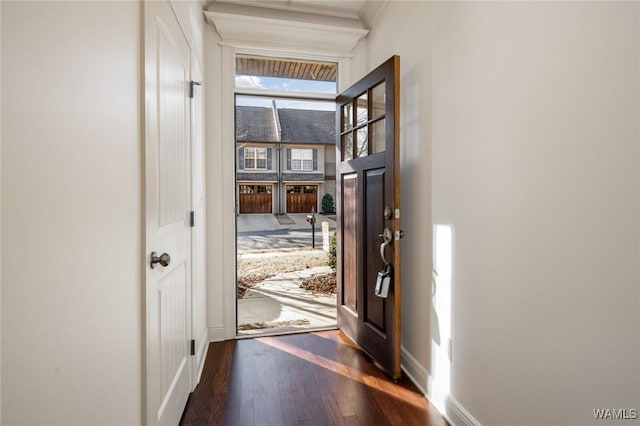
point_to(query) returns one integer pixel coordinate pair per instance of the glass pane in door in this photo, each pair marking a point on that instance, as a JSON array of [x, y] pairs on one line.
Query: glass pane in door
[[378, 100], [347, 117], [362, 109], [362, 147], [378, 129], [347, 147]]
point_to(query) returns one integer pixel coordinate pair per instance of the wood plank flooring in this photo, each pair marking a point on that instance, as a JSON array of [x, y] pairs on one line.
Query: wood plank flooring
[[319, 378]]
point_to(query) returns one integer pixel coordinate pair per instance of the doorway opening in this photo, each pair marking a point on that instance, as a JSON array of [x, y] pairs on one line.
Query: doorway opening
[[285, 159]]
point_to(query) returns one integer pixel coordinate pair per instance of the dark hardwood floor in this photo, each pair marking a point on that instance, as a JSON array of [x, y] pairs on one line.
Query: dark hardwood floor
[[317, 378]]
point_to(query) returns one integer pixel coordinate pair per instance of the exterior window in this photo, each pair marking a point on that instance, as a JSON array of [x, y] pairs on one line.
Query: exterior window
[[302, 159], [255, 158], [299, 189], [255, 189], [263, 189]]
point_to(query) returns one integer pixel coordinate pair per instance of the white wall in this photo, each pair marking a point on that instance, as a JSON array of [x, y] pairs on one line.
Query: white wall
[[71, 210], [521, 121], [71, 213]]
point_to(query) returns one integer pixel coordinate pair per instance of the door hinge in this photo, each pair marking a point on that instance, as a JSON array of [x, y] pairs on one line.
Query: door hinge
[[191, 84], [193, 347], [192, 219]]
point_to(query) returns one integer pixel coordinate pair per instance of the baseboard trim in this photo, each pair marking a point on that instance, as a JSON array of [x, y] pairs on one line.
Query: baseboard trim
[[216, 334], [203, 347], [414, 370], [452, 410], [458, 415]]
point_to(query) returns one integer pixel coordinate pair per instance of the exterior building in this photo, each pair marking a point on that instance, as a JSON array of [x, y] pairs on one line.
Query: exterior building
[[285, 159]]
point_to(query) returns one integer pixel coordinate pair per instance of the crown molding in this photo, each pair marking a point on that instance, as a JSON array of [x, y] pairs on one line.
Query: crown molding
[[294, 32], [334, 10]]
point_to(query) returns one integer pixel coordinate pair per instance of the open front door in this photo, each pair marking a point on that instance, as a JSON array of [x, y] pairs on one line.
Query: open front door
[[368, 200]]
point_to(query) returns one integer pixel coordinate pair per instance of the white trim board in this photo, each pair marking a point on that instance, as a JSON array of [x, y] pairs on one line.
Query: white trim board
[[228, 172], [452, 410]]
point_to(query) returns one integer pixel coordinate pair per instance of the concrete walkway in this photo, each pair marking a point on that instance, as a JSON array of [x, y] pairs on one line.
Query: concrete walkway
[[280, 299]]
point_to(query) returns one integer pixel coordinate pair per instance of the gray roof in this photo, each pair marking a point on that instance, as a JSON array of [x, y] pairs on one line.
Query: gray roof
[[257, 124], [309, 126], [256, 177], [302, 177]]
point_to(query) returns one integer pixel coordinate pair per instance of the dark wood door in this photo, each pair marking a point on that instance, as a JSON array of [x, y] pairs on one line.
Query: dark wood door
[[255, 198], [302, 198], [368, 200]]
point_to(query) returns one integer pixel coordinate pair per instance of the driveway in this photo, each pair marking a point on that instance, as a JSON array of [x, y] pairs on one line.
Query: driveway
[[269, 222], [265, 231]]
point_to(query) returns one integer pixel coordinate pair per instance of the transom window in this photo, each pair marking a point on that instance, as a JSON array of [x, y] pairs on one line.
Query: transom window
[[255, 158], [302, 159], [291, 75]]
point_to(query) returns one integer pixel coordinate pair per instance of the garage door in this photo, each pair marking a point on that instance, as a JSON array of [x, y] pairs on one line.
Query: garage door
[[302, 198], [255, 198]]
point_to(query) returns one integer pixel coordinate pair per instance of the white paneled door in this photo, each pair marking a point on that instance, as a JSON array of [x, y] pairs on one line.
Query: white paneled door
[[168, 204]]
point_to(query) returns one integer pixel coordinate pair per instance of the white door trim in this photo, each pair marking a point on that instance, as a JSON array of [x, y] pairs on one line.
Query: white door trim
[[227, 232], [228, 229], [279, 36]]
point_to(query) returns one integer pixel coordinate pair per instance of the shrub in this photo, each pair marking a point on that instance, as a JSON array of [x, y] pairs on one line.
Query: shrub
[[327, 203], [332, 251]]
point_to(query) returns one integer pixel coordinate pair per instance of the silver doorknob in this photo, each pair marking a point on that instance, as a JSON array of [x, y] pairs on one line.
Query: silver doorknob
[[164, 259]]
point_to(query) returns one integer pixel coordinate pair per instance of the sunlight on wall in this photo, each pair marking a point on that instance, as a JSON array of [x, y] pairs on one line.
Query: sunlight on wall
[[440, 383]]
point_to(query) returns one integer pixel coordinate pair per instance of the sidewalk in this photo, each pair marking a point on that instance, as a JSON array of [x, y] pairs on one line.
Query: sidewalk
[[280, 299], [269, 222]]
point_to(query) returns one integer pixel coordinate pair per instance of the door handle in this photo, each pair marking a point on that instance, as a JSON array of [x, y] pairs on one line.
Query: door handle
[[164, 259], [386, 240]]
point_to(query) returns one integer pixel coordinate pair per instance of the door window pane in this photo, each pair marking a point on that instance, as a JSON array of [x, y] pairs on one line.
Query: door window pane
[[347, 147], [362, 108], [378, 136], [347, 117], [362, 148], [378, 100]]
